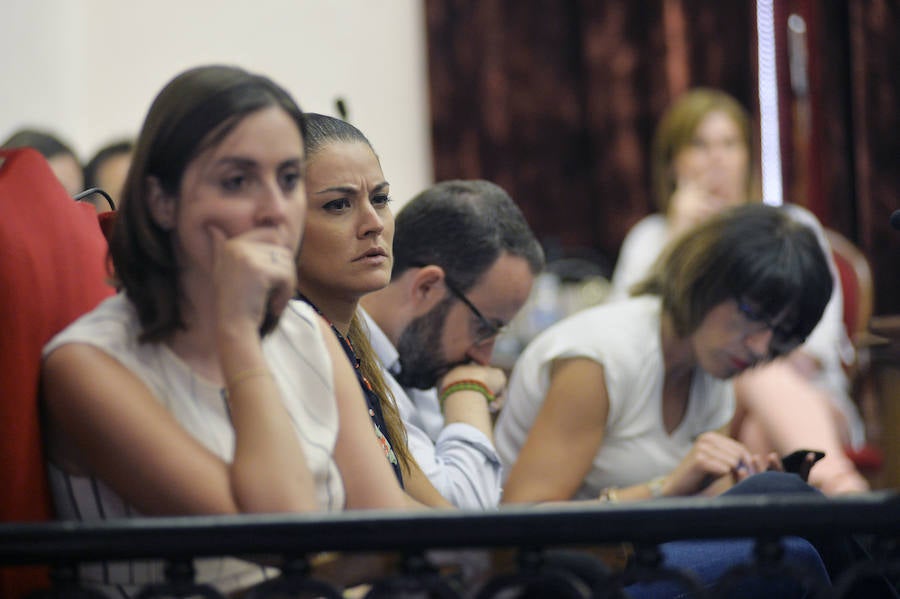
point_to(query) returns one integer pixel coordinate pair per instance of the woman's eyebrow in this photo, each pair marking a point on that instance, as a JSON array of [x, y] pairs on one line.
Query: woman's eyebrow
[[251, 162], [339, 189], [351, 188], [237, 161]]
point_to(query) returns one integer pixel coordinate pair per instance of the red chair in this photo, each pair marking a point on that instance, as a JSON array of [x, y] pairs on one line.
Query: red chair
[[858, 291], [52, 270]]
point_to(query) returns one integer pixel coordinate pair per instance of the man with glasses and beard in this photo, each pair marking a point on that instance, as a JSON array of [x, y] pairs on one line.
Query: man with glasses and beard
[[464, 264]]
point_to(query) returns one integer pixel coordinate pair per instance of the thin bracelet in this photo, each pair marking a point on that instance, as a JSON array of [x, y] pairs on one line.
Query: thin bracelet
[[466, 385], [244, 375], [609, 495], [656, 486]]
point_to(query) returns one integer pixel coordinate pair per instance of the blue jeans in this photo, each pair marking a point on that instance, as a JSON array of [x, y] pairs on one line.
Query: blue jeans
[[709, 560]]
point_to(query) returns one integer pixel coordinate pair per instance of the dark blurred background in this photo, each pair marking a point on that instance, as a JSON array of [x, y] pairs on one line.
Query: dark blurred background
[[556, 100]]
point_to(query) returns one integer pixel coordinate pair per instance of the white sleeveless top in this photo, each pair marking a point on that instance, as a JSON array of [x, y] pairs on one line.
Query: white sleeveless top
[[624, 338], [828, 341], [302, 369]]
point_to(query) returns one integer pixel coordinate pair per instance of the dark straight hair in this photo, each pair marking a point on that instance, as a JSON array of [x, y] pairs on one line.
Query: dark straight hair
[[92, 168], [321, 131], [47, 144], [193, 112], [754, 252], [463, 226]]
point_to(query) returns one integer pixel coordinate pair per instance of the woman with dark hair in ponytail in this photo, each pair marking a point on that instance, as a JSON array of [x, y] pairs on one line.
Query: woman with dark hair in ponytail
[[347, 253]]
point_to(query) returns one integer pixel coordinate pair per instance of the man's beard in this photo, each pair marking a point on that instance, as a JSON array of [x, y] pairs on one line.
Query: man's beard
[[422, 360]]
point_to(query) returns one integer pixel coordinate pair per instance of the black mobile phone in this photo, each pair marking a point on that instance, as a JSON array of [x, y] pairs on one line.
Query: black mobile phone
[[792, 461]]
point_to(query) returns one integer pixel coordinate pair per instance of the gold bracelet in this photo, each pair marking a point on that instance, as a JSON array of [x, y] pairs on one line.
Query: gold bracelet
[[244, 375], [609, 495]]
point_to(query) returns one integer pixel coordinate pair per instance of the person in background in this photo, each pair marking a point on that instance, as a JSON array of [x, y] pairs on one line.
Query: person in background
[[62, 159], [108, 169], [346, 253], [702, 164], [637, 395], [464, 263], [631, 400], [202, 387]]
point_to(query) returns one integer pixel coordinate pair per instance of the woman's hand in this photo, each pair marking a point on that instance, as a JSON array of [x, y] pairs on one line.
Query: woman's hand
[[254, 279], [692, 203], [758, 463], [712, 456]]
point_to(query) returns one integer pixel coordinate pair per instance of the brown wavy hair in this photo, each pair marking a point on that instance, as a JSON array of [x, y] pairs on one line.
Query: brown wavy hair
[[370, 367]]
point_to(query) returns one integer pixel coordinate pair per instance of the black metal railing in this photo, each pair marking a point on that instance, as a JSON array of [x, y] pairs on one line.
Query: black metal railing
[[533, 535]]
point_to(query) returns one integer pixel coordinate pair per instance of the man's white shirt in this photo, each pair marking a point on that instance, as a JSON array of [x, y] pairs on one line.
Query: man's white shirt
[[458, 459]]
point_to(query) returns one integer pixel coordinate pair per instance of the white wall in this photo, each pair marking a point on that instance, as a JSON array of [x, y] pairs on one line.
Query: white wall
[[88, 69]]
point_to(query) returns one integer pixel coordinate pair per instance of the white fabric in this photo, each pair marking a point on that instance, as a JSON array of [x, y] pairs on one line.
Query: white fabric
[[299, 361], [643, 243], [828, 342], [458, 459], [624, 337]]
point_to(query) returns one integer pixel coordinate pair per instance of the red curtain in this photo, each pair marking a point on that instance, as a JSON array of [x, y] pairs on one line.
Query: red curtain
[[556, 101]]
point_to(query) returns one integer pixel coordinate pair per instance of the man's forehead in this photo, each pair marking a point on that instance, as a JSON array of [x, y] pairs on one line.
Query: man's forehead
[[505, 286]]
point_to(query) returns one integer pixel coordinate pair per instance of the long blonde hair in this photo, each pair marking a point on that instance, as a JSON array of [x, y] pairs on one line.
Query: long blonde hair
[[321, 130], [370, 367]]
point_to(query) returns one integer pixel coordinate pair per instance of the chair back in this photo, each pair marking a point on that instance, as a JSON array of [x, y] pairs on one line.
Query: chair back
[[858, 290], [856, 284], [52, 270]]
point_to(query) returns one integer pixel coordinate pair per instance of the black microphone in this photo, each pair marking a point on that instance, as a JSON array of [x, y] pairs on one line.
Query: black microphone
[[341, 106], [895, 219]]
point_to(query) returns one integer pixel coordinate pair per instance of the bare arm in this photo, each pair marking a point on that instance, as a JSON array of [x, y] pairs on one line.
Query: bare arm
[[266, 446], [420, 491], [787, 412], [569, 430], [105, 422], [713, 465], [565, 437], [253, 279], [471, 407]]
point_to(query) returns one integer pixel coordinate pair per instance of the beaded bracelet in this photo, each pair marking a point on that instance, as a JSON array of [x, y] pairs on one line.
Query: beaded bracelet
[[466, 385]]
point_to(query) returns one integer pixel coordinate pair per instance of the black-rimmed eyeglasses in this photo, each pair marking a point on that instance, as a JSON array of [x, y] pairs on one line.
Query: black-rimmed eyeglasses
[[486, 328], [784, 341]]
